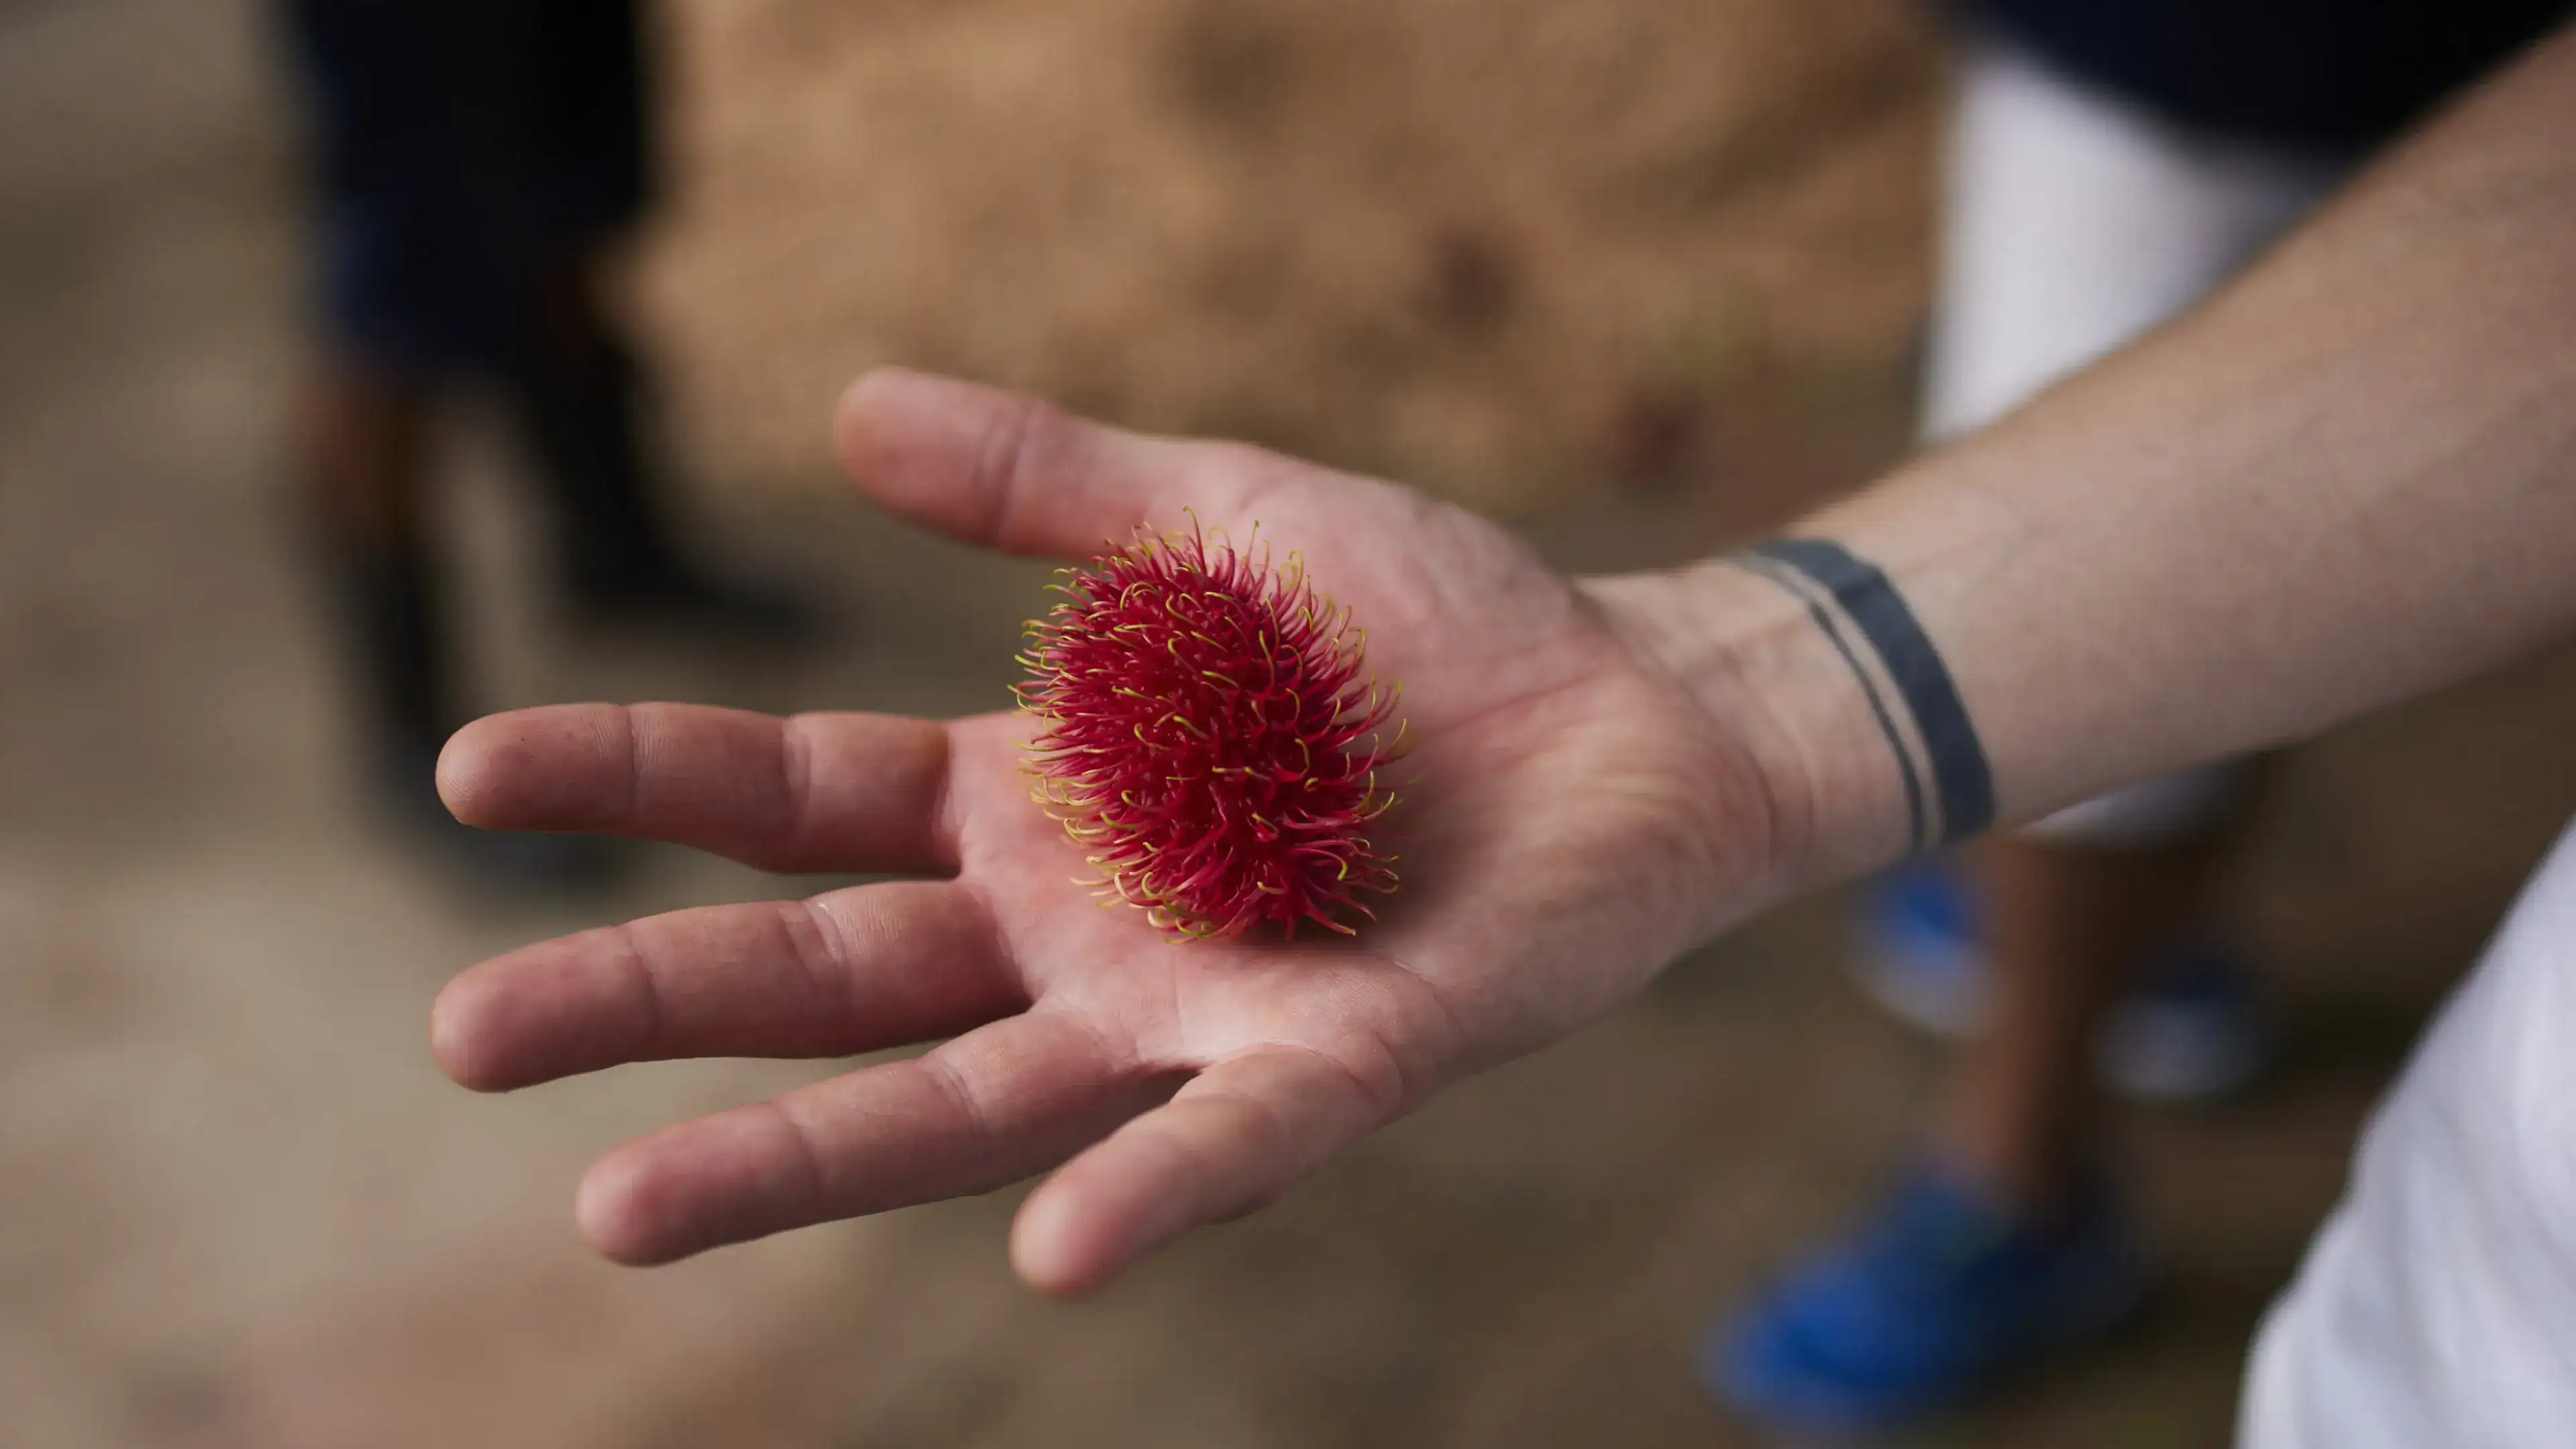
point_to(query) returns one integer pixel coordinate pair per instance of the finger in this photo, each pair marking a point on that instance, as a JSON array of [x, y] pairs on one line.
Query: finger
[[1229, 1142], [972, 1115], [809, 792], [1009, 472], [846, 972]]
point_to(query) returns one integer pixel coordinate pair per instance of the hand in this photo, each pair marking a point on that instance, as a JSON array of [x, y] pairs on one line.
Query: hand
[[1575, 819]]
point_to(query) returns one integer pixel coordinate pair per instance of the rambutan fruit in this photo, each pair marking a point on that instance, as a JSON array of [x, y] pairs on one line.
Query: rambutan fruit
[[1210, 739]]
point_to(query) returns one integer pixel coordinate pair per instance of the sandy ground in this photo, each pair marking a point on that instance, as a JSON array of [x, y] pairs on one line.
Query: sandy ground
[[237, 1206]]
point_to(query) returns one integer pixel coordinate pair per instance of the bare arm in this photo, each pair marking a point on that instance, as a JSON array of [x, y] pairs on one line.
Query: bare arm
[[2349, 479]]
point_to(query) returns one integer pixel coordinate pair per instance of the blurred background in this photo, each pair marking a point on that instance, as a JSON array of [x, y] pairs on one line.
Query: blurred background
[[1641, 277]]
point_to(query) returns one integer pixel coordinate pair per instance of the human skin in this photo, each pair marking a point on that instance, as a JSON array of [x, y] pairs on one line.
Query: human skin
[[2349, 479]]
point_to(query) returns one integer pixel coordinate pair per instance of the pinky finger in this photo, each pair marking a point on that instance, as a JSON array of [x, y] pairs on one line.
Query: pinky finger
[[1229, 1142]]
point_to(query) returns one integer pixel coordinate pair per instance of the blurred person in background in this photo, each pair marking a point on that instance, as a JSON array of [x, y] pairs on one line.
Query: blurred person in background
[[2109, 162], [476, 161]]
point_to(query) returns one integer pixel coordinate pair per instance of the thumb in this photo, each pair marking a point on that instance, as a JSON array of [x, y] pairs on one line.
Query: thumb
[[999, 468]]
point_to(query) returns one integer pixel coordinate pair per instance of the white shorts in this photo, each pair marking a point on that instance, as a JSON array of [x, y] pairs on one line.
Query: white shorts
[[2075, 221]]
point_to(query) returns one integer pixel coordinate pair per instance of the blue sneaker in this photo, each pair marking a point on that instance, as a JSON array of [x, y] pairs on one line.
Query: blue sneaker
[[2191, 1030], [1922, 949], [1937, 1297]]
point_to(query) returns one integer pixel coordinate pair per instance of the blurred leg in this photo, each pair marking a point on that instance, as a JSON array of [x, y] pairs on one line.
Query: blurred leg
[[578, 398], [2067, 922], [363, 443], [572, 386], [385, 245], [573, 174], [2073, 222], [363, 449], [422, 201]]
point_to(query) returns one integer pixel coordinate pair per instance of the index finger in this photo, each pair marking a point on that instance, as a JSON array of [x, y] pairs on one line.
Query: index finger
[[855, 792]]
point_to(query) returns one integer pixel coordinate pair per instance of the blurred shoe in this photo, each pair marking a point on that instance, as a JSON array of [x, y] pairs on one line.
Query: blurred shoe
[[2190, 1030], [1940, 1295], [1922, 954]]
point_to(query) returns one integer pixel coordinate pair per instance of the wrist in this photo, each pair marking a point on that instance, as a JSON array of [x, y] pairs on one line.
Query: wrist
[[1752, 655]]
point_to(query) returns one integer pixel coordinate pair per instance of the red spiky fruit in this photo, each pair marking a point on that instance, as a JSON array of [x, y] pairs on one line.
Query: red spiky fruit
[[1209, 737]]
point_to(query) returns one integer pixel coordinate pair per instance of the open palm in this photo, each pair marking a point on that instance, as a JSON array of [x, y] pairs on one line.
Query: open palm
[[1571, 820]]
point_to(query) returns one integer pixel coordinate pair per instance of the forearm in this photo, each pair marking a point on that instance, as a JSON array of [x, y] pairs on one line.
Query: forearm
[[2348, 480]]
